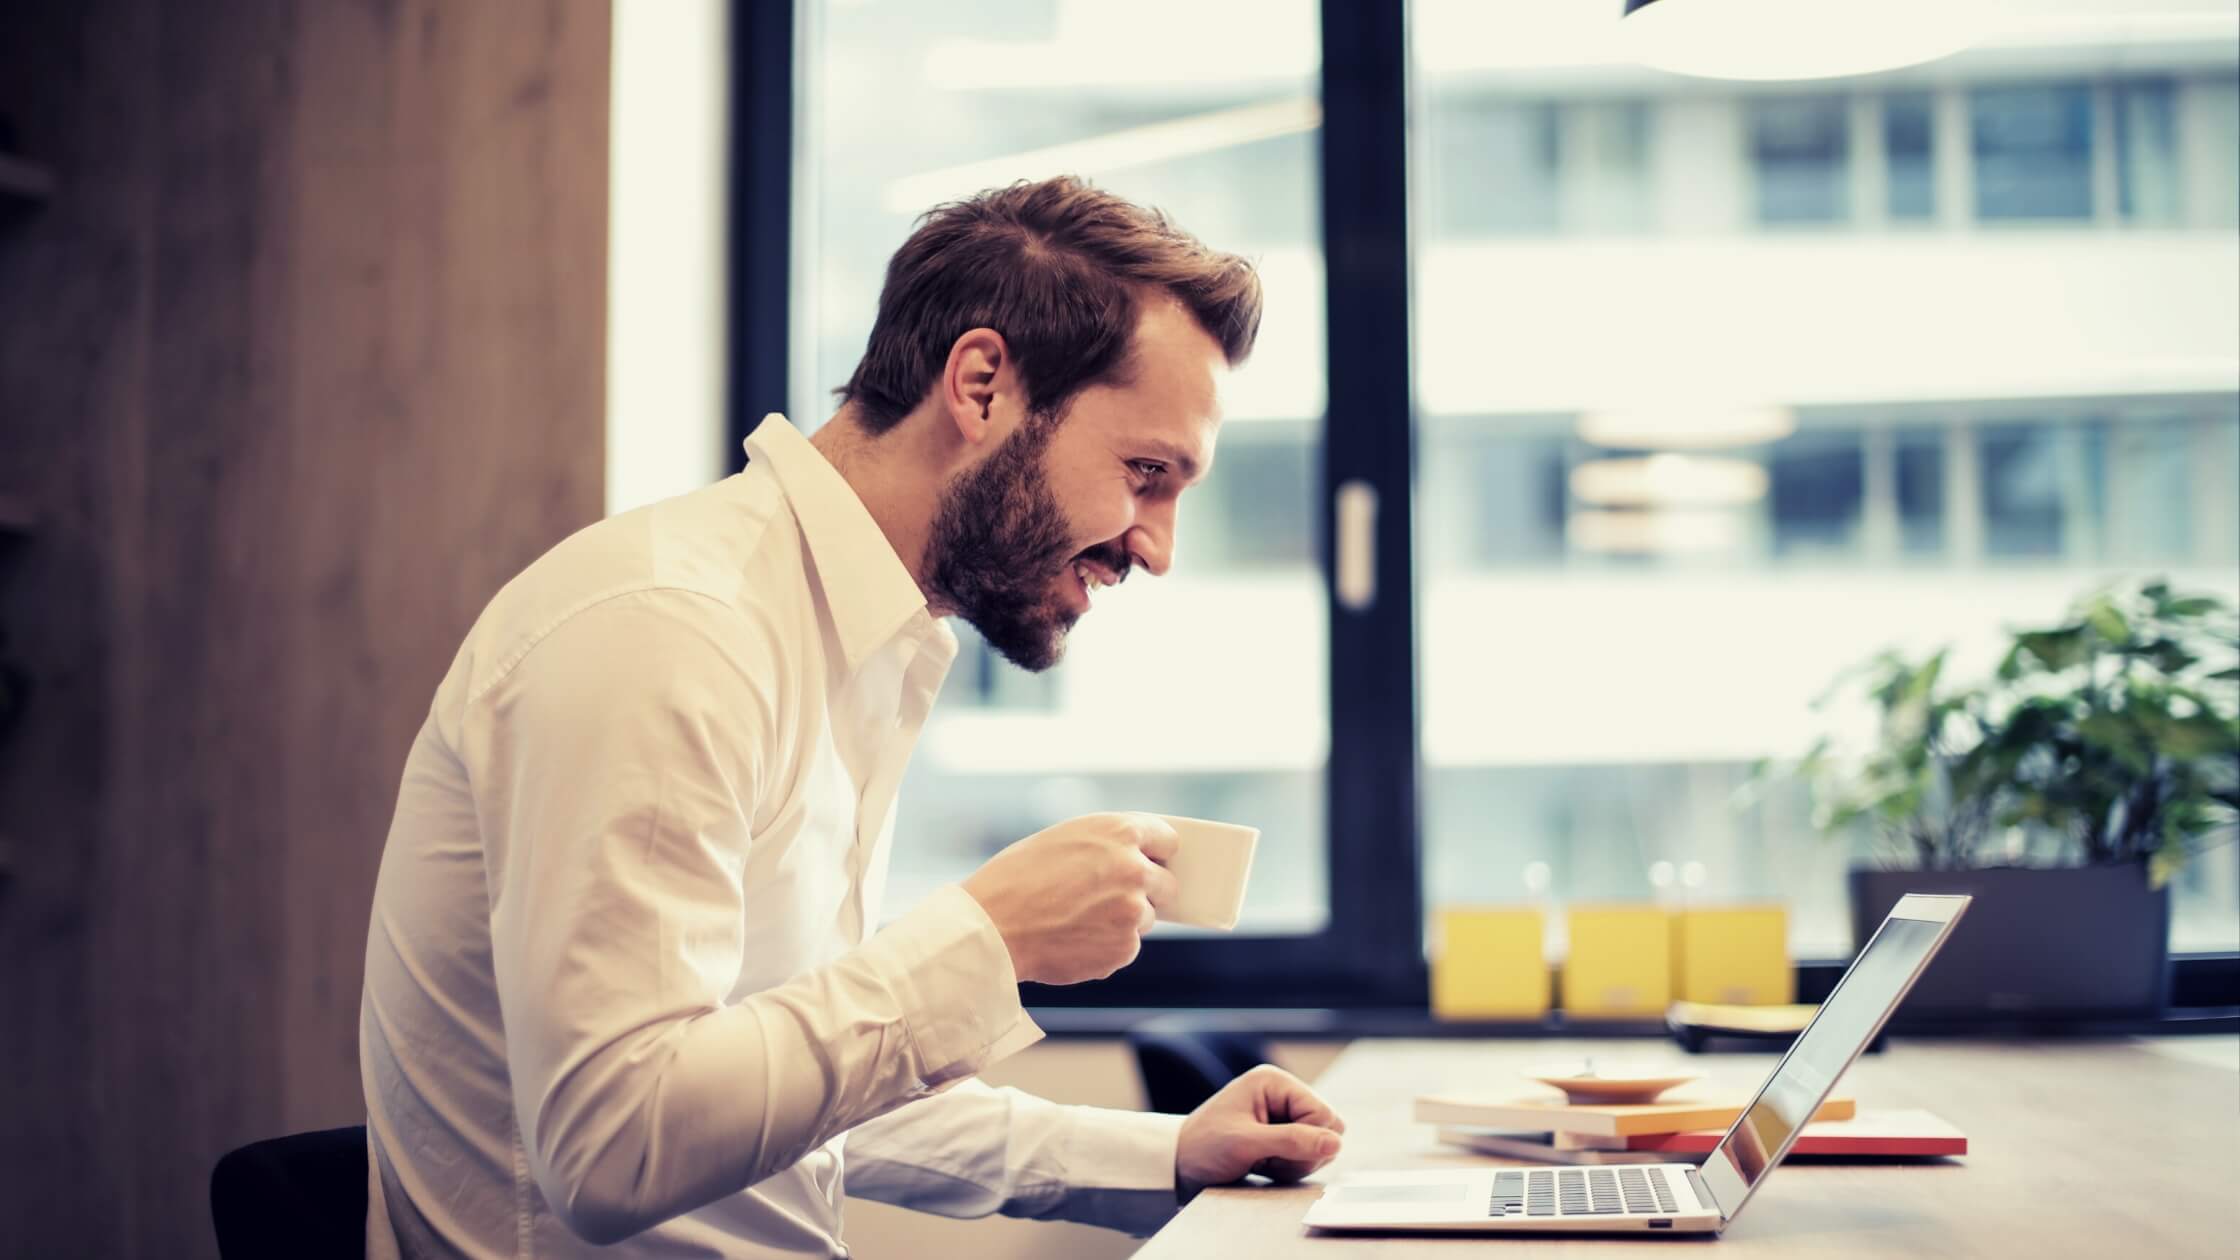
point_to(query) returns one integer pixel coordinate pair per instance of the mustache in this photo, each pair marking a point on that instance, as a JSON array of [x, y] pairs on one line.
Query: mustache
[[1110, 556]]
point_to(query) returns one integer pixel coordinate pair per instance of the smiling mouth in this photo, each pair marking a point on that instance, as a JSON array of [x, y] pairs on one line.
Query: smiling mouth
[[1093, 577]]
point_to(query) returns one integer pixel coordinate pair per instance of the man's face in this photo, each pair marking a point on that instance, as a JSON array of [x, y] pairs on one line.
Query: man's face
[[1067, 504]]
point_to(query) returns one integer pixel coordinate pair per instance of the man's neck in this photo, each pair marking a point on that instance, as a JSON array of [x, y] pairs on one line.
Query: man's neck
[[899, 484]]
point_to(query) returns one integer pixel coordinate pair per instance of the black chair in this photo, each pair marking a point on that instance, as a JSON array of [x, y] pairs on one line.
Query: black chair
[[300, 1197], [1185, 1060]]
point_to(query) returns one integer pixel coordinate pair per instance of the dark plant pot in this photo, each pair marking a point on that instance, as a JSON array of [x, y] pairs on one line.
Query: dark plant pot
[[2036, 942]]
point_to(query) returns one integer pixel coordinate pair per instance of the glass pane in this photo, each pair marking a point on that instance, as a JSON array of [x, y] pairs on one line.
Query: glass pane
[[1175, 696], [1609, 181], [2210, 135], [2146, 152], [1920, 491], [1910, 155], [1670, 488], [2023, 509], [1498, 169], [1801, 152], [1819, 491], [2033, 152], [2150, 474]]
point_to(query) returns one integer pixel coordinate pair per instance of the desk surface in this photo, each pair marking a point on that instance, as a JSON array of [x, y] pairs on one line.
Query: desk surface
[[2096, 1148]]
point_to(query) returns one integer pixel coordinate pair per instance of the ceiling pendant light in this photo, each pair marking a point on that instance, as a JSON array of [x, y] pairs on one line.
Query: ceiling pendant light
[[1797, 39]]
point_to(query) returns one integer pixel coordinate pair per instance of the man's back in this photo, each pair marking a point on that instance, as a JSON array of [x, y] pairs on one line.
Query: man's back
[[725, 566]]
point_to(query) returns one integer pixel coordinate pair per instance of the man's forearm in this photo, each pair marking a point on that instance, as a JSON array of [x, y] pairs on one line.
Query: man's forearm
[[675, 1114]]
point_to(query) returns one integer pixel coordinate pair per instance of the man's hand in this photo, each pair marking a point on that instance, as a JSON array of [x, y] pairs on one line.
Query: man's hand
[[1266, 1121], [1073, 901]]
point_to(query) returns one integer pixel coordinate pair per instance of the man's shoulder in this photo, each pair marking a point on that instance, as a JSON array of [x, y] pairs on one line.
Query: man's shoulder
[[723, 557]]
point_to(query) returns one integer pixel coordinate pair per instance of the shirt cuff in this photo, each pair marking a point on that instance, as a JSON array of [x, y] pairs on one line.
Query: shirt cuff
[[1119, 1169], [952, 973]]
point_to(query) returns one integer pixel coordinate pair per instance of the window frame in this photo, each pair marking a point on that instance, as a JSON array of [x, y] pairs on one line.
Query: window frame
[[1369, 956]]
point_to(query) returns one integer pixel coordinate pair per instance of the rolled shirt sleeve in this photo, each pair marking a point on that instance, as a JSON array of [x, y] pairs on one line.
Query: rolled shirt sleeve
[[616, 768]]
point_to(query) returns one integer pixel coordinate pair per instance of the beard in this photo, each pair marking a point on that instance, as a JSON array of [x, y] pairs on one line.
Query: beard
[[999, 541]]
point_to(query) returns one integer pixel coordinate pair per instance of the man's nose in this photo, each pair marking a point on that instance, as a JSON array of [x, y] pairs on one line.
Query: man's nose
[[1151, 544]]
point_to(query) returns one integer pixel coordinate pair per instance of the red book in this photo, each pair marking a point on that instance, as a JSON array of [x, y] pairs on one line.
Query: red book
[[1867, 1133]]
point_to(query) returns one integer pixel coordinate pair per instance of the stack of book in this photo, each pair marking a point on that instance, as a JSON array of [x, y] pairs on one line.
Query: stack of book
[[1554, 1131]]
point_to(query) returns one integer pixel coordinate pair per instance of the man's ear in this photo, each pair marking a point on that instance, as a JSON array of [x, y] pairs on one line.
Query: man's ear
[[978, 387]]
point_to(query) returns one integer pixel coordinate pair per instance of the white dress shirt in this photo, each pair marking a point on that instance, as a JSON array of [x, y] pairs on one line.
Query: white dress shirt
[[620, 982]]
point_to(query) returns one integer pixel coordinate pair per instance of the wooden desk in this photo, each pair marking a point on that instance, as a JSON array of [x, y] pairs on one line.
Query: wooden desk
[[2110, 1148]]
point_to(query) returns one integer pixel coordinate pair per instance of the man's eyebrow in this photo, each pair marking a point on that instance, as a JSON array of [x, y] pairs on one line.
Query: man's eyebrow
[[1184, 462]]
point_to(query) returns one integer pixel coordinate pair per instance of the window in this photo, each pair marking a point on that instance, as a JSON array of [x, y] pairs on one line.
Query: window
[[2033, 152], [1197, 694], [1839, 441], [2146, 152], [1607, 187], [1919, 485], [1800, 150], [1819, 493], [2025, 512], [1947, 440], [1210, 692], [1909, 154], [1499, 168]]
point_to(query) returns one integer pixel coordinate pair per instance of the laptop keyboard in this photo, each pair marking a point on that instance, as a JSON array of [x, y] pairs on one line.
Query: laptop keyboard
[[1581, 1192]]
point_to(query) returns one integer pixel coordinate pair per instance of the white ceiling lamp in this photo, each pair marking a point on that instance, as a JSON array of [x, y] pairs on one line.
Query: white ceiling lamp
[[1797, 39], [1669, 479], [1687, 428]]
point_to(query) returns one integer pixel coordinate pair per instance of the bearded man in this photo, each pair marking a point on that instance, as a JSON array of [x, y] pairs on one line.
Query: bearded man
[[626, 981]]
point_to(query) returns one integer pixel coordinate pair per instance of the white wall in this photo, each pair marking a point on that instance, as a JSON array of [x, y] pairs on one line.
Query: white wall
[[666, 249]]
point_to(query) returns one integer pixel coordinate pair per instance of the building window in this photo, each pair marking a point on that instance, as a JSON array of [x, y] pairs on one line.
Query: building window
[[1909, 156], [2033, 152], [1800, 151], [2146, 152]]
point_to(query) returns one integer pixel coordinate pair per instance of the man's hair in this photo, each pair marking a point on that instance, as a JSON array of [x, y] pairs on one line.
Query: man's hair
[[1060, 269]]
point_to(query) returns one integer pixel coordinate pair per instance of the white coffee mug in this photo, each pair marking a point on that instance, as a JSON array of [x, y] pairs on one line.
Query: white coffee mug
[[1210, 865]]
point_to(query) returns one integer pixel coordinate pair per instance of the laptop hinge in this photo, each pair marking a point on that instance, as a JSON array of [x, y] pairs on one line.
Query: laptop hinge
[[1703, 1193]]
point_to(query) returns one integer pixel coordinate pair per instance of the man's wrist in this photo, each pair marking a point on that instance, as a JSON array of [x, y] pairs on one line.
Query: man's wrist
[[1011, 947]]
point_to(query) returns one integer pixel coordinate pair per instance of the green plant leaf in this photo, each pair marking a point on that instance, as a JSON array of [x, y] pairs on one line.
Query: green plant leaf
[[2191, 606], [2055, 649], [2167, 655], [2106, 621], [2163, 866], [2192, 737]]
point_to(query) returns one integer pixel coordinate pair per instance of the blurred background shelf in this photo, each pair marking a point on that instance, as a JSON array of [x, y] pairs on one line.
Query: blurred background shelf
[[24, 181]]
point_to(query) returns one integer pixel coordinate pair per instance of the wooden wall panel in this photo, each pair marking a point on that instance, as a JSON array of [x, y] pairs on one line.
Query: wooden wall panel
[[309, 362]]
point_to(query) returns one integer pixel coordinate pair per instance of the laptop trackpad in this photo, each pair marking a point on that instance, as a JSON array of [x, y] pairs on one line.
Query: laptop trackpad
[[1405, 1192]]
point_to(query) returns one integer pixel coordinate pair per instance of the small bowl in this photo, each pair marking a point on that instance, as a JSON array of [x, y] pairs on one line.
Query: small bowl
[[1629, 1088]]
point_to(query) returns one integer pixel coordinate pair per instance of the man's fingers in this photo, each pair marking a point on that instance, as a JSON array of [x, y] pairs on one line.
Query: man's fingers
[[1288, 1152], [1286, 1097], [1156, 837], [1160, 885]]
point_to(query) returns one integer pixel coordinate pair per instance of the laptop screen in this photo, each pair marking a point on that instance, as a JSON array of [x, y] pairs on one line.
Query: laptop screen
[[1845, 1023]]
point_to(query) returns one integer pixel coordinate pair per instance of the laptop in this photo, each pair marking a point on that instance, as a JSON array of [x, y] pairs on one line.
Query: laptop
[[1666, 1198]]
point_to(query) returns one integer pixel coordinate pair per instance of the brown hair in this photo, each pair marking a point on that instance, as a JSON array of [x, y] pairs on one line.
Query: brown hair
[[1057, 267]]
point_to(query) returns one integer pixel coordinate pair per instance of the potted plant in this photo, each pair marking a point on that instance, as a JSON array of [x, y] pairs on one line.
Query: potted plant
[[2063, 792]]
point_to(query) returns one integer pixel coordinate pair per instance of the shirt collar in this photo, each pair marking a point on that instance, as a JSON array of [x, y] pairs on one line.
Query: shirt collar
[[870, 592]]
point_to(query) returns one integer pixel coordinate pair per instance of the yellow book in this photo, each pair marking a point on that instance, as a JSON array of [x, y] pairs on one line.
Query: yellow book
[[1733, 955], [1488, 963], [1620, 962]]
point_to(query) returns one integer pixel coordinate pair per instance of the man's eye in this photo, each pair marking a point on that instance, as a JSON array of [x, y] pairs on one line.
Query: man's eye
[[1146, 469]]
